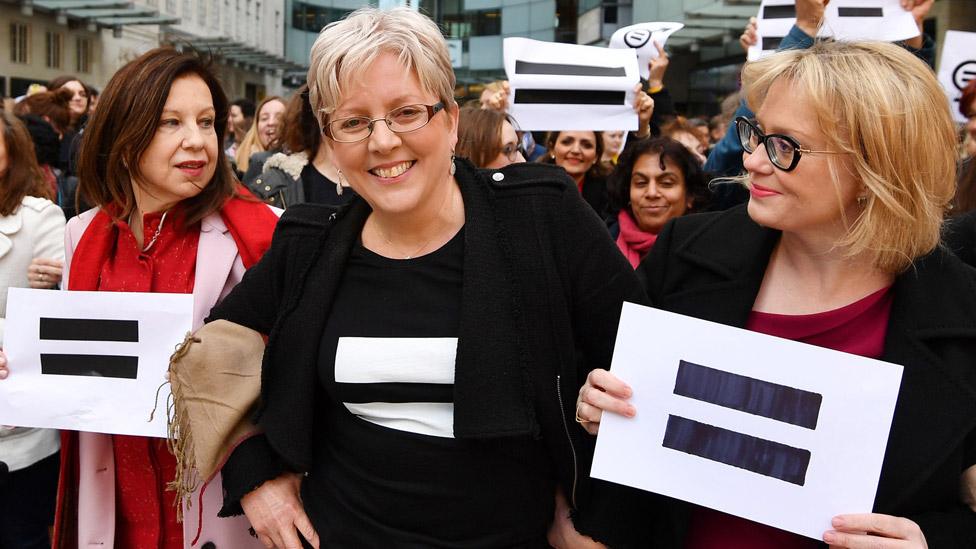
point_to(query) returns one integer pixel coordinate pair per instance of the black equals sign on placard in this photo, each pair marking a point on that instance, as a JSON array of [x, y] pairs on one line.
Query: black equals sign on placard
[[526, 96], [752, 396], [82, 329], [860, 12]]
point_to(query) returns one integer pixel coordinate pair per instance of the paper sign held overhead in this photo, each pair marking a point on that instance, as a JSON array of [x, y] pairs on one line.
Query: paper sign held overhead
[[569, 87], [883, 20], [768, 429], [641, 38], [90, 361], [957, 68]]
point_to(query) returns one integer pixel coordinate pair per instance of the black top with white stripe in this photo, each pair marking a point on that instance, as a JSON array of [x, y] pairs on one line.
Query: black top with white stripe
[[390, 472]]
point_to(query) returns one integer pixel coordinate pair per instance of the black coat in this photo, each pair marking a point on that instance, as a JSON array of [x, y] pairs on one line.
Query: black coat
[[710, 266], [541, 295], [960, 237]]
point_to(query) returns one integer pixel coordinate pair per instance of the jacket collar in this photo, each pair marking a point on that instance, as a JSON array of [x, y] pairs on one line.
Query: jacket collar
[[9, 225]]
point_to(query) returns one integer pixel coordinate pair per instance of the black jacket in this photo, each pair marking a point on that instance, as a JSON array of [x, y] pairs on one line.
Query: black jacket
[[960, 236], [710, 266], [542, 290]]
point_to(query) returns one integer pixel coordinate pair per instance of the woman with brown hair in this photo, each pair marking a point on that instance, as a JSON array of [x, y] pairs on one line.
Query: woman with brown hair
[[169, 217], [488, 139], [305, 172], [79, 101], [31, 227]]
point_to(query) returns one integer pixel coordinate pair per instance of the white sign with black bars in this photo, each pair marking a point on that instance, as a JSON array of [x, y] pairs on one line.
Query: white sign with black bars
[[569, 87], [775, 431], [90, 361], [957, 68], [883, 20]]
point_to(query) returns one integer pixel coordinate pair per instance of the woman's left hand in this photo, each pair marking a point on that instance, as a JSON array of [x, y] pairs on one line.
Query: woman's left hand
[[562, 533], [644, 107], [43, 273], [874, 531]]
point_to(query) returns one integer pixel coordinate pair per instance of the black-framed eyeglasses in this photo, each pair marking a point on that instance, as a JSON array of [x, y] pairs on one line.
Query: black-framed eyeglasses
[[783, 151], [400, 120]]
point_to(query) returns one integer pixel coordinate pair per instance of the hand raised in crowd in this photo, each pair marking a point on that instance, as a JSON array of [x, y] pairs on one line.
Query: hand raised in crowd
[[657, 67], [874, 531], [809, 15], [498, 101], [750, 36], [43, 273], [644, 106], [275, 511], [920, 10], [602, 391], [562, 533]]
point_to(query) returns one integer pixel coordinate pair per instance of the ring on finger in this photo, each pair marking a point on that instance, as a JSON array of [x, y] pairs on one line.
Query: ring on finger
[[580, 420]]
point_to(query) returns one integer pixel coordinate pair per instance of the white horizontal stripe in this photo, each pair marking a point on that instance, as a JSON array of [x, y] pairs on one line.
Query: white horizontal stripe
[[423, 418], [395, 360]]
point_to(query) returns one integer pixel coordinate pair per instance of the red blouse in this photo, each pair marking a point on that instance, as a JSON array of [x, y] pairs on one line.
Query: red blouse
[[145, 511], [858, 328]]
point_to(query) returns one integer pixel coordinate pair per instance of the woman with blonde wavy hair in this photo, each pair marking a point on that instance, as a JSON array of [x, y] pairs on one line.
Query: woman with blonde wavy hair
[[851, 168], [264, 135]]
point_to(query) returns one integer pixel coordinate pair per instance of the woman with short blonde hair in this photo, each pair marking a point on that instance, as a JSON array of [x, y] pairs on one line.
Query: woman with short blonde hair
[[850, 169], [397, 326]]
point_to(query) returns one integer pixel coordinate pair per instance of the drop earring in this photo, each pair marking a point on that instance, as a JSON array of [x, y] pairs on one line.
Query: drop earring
[[453, 166], [339, 184], [862, 201]]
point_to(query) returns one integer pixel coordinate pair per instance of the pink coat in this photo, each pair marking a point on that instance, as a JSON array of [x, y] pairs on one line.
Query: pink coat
[[219, 269]]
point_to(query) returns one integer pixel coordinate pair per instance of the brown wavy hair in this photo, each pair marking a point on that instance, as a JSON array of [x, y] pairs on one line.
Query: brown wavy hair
[[51, 106], [125, 123], [479, 132], [23, 176]]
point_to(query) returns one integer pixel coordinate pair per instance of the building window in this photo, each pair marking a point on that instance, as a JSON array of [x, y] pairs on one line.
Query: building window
[[53, 47], [202, 13], [610, 15], [473, 23], [171, 7], [311, 18], [20, 42], [83, 53]]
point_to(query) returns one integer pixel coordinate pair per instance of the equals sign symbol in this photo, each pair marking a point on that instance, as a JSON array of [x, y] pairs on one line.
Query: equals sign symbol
[[859, 12], [752, 396], [87, 330]]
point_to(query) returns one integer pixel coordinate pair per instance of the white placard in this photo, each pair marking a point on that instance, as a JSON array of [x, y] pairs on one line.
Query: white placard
[[883, 20], [570, 87], [957, 68], [843, 437], [90, 361], [641, 38]]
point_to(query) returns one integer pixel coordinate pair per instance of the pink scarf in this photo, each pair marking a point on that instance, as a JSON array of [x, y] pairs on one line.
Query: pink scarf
[[633, 242]]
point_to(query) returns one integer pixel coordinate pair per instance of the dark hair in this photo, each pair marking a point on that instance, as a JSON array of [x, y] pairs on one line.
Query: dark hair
[[666, 148], [300, 129], [51, 105], [23, 176], [479, 132], [125, 123], [47, 143], [598, 169], [246, 106]]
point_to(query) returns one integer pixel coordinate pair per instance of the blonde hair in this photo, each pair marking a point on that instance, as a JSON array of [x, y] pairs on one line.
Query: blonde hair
[[252, 142], [884, 107], [346, 48]]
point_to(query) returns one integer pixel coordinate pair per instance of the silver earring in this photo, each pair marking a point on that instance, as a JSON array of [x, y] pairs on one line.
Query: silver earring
[[453, 166], [339, 184], [862, 201]]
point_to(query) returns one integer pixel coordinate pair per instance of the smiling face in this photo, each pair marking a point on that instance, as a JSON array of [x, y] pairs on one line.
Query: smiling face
[[804, 200], [657, 195], [612, 143], [182, 157], [395, 172], [79, 101], [269, 122], [509, 142], [575, 152]]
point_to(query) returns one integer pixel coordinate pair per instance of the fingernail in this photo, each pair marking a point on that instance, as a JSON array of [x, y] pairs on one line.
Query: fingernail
[[829, 537], [631, 411], [837, 522], [3, 374]]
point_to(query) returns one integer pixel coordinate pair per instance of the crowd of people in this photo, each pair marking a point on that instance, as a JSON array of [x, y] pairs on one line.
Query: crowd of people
[[436, 291]]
